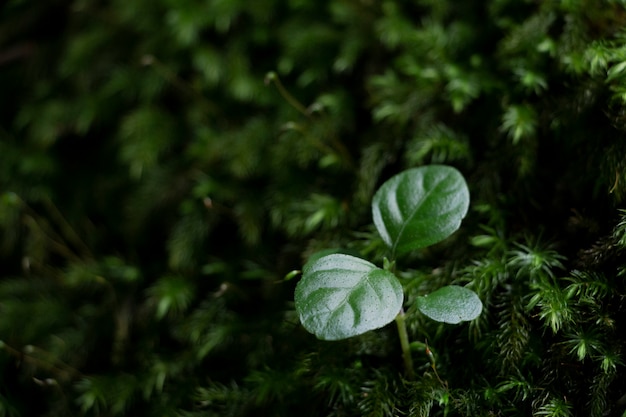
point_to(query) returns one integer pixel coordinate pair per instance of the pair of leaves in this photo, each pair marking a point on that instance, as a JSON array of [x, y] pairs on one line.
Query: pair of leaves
[[341, 296]]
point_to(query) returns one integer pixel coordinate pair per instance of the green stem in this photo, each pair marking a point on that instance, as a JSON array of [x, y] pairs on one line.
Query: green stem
[[46, 360], [68, 231], [273, 77], [338, 146], [207, 107], [404, 342]]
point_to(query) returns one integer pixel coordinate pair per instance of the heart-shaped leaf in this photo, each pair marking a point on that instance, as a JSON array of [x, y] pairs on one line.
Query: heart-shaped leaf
[[420, 207], [451, 304], [341, 296]]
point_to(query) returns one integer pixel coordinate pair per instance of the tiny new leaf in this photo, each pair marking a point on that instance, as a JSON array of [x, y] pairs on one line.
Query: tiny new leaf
[[340, 296], [451, 304], [420, 207]]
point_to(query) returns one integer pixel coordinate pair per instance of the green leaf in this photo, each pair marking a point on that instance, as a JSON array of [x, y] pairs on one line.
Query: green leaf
[[616, 71], [341, 296], [519, 121], [171, 294], [451, 304], [420, 207]]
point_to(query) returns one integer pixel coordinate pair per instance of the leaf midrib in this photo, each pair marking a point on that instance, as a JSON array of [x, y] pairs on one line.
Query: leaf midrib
[[405, 223], [364, 281]]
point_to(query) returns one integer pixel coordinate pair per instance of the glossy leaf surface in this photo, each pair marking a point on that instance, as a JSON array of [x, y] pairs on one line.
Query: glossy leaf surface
[[451, 304], [341, 296], [420, 207]]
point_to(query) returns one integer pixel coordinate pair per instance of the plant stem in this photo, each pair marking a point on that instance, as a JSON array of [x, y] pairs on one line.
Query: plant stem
[[338, 146], [404, 342], [68, 231], [207, 107], [46, 360], [273, 77]]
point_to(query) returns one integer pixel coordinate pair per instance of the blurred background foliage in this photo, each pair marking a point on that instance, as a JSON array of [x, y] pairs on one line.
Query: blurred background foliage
[[165, 163]]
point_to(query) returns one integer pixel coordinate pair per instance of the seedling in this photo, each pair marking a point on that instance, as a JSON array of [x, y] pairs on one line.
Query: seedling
[[341, 296]]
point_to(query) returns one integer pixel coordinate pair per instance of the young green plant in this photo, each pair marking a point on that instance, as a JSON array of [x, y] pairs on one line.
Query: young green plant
[[340, 296]]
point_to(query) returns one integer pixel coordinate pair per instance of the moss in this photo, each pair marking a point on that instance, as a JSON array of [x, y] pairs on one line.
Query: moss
[[155, 191]]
